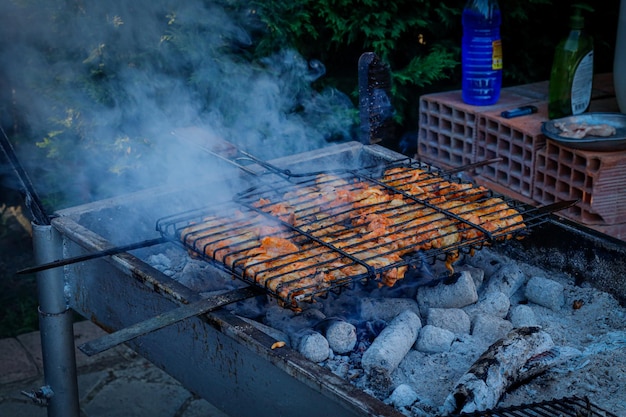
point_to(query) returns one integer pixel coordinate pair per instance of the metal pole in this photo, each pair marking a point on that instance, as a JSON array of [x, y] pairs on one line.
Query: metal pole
[[56, 328]]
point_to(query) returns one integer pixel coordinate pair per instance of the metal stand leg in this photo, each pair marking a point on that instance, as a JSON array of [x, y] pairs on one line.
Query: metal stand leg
[[56, 328]]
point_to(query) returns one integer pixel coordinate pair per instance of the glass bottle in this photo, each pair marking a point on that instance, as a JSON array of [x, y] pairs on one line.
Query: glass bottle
[[571, 77]]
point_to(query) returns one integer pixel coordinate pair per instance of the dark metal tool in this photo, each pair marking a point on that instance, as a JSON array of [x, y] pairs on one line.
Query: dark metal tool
[[541, 211], [167, 319], [469, 167], [99, 254]]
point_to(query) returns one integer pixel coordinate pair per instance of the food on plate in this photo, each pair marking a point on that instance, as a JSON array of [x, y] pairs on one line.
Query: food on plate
[[581, 130]]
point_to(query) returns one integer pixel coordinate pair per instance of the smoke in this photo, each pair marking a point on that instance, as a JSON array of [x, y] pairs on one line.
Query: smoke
[[96, 88]]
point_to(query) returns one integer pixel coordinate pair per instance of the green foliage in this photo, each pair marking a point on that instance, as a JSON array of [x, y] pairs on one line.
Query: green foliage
[[412, 36]]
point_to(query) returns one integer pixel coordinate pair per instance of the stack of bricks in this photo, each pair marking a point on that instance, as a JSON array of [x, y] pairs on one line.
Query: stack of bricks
[[532, 168]]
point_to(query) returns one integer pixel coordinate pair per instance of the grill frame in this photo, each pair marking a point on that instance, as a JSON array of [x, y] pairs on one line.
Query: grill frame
[[273, 189]]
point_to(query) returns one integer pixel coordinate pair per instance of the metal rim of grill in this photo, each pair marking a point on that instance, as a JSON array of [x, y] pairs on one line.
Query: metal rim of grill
[[563, 407], [326, 227]]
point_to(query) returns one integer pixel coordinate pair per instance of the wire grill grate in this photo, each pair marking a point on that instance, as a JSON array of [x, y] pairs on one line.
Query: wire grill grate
[[564, 407], [299, 237]]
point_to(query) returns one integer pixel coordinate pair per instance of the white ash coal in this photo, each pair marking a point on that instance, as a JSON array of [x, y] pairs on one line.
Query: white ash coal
[[497, 333]]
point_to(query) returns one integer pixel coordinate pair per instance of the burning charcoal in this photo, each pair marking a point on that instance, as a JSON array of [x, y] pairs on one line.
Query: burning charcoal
[[522, 316], [389, 348], [434, 339], [402, 397], [313, 346], [367, 331], [489, 261], [339, 365], [452, 319], [160, 262], [497, 369], [456, 295], [508, 279], [493, 303], [545, 292], [490, 328], [546, 360], [386, 308], [478, 274], [340, 334]]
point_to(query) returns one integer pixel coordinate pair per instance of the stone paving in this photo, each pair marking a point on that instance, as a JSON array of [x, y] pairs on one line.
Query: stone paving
[[114, 383]]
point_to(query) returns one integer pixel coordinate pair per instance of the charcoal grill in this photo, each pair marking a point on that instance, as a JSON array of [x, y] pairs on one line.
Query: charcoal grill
[[216, 355]]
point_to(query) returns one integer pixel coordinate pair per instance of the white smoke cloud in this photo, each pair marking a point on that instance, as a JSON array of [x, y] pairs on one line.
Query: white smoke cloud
[[99, 86]]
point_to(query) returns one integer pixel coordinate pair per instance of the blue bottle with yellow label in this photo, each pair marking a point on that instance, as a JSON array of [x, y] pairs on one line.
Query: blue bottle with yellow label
[[481, 58]]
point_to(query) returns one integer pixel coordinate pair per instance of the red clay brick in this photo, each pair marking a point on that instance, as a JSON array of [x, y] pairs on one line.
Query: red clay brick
[[447, 130], [598, 179]]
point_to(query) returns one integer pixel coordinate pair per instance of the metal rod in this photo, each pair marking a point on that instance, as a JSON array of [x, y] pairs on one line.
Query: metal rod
[[32, 199], [167, 319], [232, 162], [543, 211], [100, 254], [468, 167], [56, 327]]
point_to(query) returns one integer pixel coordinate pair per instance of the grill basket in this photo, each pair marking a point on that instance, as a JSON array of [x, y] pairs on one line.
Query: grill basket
[[302, 236]]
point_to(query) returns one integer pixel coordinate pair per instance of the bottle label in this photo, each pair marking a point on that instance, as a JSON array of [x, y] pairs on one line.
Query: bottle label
[[496, 57], [582, 83]]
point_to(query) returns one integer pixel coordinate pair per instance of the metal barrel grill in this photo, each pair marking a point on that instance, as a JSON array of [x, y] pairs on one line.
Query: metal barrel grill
[[218, 355]]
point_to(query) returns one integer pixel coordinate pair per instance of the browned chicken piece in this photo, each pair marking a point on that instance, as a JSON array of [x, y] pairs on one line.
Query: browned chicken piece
[[226, 239], [292, 272], [431, 187], [217, 240], [498, 217], [282, 211], [276, 264], [467, 212]]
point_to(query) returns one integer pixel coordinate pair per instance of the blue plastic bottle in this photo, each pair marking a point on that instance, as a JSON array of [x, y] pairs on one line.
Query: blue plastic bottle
[[481, 52]]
